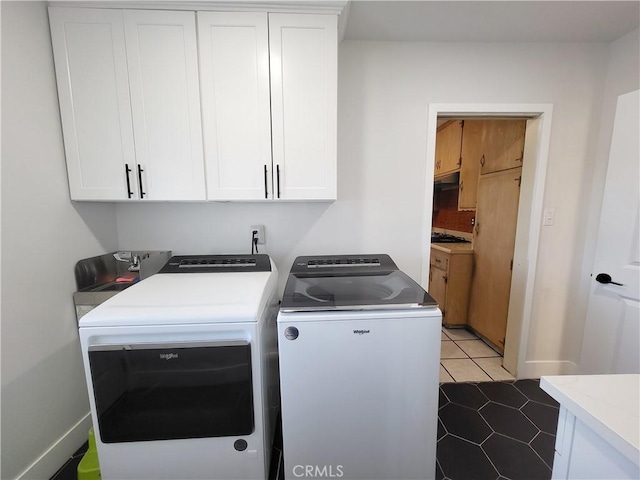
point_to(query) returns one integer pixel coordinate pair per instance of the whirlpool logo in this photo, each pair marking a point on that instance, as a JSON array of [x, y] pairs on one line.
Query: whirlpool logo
[[322, 471], [168, 356], [361, 332]]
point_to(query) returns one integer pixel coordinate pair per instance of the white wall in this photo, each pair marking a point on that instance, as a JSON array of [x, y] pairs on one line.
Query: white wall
[[43, 236], [384, 91]]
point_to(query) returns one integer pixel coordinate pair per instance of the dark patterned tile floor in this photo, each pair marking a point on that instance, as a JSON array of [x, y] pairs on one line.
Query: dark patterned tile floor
[[486, 431], [495, 431]]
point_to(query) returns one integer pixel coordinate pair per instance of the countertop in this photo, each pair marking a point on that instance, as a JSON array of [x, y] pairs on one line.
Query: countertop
[[454, 248], [608, 404]]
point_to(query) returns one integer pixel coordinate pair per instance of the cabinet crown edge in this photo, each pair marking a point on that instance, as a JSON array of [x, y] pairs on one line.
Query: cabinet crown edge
[[329, 7]]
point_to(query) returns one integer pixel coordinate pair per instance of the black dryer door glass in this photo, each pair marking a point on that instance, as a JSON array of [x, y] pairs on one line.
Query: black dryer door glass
[[162, 392]]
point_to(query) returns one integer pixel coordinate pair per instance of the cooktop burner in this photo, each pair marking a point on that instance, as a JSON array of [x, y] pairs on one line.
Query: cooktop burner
[[447, 238]]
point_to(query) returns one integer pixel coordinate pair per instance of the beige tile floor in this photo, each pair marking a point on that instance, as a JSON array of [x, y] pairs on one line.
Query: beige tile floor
[[466, 358]]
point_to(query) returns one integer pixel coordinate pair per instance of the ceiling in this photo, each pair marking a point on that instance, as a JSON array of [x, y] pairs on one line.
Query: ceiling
[[491, 21]]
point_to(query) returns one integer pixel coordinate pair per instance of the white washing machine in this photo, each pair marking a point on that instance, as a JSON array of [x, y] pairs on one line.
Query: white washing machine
[[359, 346], [182, 371]]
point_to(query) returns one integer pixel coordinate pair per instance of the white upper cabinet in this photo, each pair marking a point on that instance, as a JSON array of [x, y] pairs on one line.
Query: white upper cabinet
[[234, 79], [125, 76], [93, 89], [269, 104], [165, 103], [137, 88], [303, 54]]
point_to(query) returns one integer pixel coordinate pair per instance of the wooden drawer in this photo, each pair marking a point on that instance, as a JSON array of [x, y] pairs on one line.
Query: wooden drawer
[[439, 259]]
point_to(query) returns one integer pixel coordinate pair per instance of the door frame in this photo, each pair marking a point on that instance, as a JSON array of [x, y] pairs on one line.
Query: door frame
[[534, 170]]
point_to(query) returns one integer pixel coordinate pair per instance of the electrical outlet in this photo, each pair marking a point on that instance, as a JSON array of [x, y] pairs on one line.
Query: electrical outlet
[[260, 230]]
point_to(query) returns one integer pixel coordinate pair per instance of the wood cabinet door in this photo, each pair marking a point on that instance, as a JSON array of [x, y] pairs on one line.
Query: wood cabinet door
[[472, 151], [503, 145], [93, 88], [448, 145], [236, 116], [165, 100], [493, 245], [438, 286], [303, 57]]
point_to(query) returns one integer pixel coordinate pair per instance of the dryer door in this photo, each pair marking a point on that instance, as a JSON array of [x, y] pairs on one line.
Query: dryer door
[[163, 391]]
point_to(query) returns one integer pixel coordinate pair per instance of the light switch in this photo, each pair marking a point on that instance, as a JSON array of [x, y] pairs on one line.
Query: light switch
[[549, 214]]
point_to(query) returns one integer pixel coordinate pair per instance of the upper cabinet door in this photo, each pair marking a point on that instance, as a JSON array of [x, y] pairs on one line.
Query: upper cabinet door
[[503, 145], [165, 101], [93, 89], [234, 79], [472, 151], [448, 146], [303, 55]]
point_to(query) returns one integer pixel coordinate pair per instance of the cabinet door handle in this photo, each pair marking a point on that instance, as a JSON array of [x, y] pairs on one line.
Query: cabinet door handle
[[482, 160], [278, 179], [127, 170], [140, 170], [477, 228], [462, 185], [266, 192]]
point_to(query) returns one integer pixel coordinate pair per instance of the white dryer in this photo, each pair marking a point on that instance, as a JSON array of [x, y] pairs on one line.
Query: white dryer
[[182, 371], [359, 346]]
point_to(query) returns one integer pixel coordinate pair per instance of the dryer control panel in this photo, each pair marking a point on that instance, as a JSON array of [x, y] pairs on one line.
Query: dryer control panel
[[217, 264]]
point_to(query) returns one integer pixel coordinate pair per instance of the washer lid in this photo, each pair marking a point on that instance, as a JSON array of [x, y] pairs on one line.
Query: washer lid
[[376, 291], [168, 299]]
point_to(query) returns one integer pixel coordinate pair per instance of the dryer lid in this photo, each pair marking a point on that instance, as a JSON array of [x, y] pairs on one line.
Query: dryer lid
[[164, 299]]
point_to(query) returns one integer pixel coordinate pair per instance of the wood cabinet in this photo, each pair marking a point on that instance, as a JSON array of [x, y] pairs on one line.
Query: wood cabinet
[[269, 84], [493, 245], [450, 272], [472, 151], [448, 146], [129, 102], [503, 145], [487, 146]]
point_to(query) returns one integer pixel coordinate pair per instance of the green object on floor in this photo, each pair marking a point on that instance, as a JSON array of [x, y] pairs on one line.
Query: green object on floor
[[89, 468]]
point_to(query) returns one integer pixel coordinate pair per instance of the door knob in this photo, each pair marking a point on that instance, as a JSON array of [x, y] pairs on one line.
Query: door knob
[[606, 278]]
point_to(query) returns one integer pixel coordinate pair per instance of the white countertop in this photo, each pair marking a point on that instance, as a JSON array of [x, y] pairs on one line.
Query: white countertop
[[608, 404]]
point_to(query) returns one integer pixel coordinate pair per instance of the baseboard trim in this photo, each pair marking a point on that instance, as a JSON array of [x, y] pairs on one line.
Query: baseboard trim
[[536, 369], [57, 454]]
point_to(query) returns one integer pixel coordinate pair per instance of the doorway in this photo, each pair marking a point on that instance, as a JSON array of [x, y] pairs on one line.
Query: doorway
[[529, 213]]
